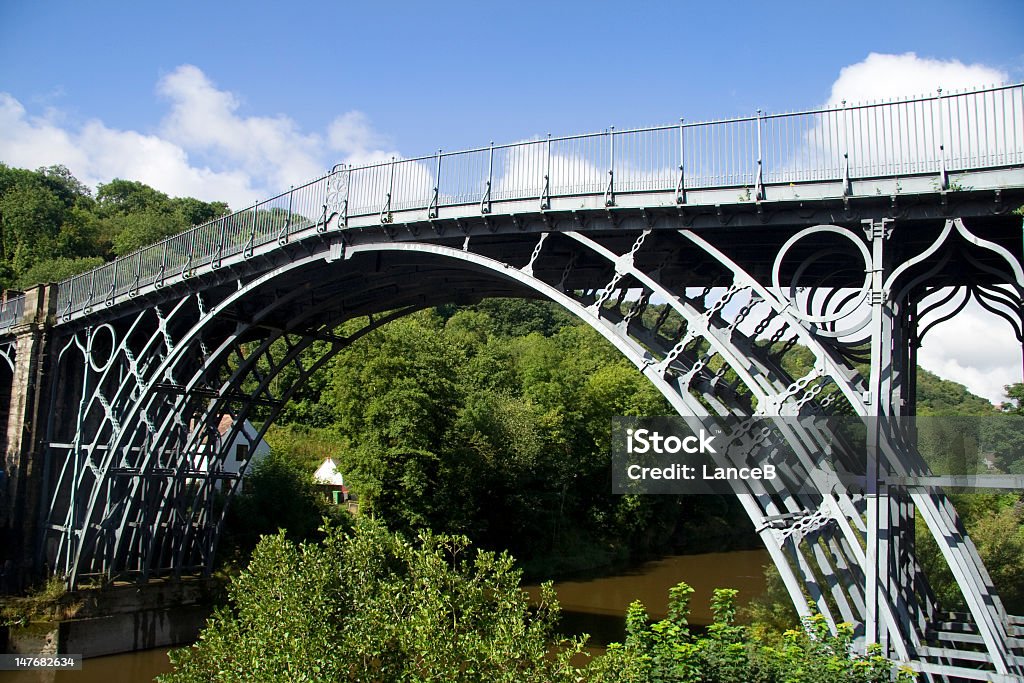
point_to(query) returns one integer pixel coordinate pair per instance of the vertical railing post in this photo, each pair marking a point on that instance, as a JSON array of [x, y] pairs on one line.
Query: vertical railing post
[[186, 270], [943, 175], [250, 242], [545, 192], [485, 201], [609, 193], [759, 178], [348, 193], [163, 266], [134, 289], [325, 183], [220, 245], [285, 231], [112, 292], [92, 284], [847, 185], [432, 205], [385, 212], [681, 185], [325, 199], [291, 211]]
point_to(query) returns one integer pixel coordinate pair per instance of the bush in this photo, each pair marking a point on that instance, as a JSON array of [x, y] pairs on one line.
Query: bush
[[369, 605], [728, 653]]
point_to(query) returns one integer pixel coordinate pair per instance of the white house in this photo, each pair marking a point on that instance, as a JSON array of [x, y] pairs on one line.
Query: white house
[[244, 450], [331, 482]]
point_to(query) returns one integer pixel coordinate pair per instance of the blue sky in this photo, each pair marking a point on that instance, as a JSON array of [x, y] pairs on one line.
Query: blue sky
[[430, 74], [237, 101]]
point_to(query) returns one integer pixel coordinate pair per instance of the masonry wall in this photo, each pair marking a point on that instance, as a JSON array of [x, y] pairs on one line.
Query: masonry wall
[[22, 443]]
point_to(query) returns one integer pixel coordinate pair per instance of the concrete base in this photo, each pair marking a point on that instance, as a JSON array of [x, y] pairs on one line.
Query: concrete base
[[119, 619]]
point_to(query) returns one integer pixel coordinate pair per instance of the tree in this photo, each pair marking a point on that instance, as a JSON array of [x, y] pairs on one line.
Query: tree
[[123, 197], [136, 230], [279, 494], [195, 212], [370, 605], [30, 219], [937, 396], [51, 227], [134, 214], [1015, 394], [69, 188], [55, 270]]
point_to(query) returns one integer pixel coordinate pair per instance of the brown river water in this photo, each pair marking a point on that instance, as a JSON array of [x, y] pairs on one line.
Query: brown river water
[[594, 606]]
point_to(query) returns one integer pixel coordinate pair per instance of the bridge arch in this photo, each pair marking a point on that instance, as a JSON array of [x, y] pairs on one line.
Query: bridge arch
[[710, 271], [207, 356]]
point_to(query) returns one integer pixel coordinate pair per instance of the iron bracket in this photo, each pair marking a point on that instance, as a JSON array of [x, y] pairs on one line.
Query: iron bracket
[[485, 201], [847, 185]]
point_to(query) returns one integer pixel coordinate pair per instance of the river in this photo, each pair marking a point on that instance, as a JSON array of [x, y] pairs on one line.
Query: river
[[594, 606], [131, 667], [598, 606]]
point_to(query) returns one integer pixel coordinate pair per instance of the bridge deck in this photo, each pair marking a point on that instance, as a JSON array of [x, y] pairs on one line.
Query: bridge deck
[[822, 166]]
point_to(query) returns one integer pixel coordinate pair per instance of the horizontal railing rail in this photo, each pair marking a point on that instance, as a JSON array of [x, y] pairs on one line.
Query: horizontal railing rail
[[937, 134]]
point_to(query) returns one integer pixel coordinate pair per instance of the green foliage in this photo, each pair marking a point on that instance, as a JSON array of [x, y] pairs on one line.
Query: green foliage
[[936, 396], [279, 494], [51, 227], [135, 230], [57, 269], [134, 215], [519, 317], [40, 218], [1015, 396], [771, 613], [449, 423], [306, 447], [45, 602], [995, 522], [728, 653], [369, 605]]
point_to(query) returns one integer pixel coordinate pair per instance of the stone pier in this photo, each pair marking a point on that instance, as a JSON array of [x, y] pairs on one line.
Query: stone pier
[[22, 479]]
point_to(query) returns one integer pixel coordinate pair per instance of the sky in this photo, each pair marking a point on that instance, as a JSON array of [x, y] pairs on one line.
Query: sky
[[238, 101]]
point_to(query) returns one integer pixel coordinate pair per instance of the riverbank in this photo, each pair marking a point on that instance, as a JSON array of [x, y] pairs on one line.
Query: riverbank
[[579, 558]]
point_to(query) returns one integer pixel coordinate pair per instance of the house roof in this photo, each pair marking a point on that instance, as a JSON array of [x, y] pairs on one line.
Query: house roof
[[328, 473], [226, 422]]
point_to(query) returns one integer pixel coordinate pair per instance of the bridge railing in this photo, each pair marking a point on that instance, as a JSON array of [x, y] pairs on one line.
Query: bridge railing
[[924, 135], [11, 311]]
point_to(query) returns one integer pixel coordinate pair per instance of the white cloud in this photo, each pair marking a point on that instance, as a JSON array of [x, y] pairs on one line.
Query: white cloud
[[352, 136], [977, 349], [203, 147], [204, 121], [883, 76]]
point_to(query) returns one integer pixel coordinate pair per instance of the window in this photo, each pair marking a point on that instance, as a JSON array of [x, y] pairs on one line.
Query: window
[[241, 452]]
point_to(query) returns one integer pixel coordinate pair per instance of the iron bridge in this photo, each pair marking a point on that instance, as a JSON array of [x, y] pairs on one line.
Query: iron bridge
[[706, 253]]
